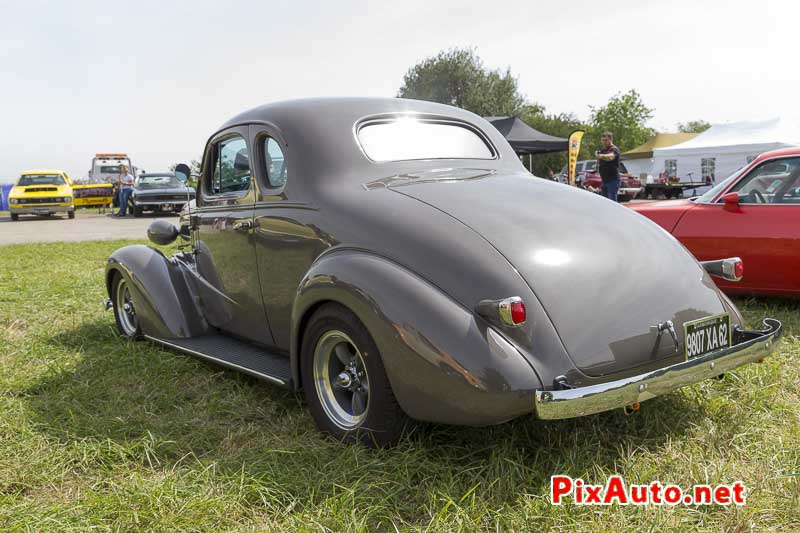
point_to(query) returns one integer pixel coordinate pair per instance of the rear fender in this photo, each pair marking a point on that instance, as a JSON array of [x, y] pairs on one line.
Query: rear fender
[[444, 363], [162, 290]]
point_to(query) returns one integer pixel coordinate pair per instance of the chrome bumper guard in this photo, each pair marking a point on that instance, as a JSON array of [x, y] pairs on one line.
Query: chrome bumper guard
[[752, 346]]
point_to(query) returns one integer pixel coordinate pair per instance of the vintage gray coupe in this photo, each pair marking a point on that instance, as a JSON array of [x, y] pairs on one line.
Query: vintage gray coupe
[[395, 261]]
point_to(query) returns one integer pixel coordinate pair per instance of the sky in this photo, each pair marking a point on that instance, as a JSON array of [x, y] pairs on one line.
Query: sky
[[155, 79]]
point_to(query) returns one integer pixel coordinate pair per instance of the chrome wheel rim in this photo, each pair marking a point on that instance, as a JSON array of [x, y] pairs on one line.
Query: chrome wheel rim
[[125, 310], [341, 380]]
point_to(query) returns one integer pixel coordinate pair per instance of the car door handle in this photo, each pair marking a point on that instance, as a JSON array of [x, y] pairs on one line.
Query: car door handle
[[244, 225]]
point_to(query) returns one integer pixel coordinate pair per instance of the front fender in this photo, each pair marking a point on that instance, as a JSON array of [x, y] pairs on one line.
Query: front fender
[[444, 363], [161, 290]]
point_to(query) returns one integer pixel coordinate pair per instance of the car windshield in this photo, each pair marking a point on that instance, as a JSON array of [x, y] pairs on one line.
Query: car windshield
[[410, 138], [709, 195], [158, 182], [43, 179]]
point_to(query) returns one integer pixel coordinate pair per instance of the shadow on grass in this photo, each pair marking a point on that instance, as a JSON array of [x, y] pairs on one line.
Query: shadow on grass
[[134, 393]]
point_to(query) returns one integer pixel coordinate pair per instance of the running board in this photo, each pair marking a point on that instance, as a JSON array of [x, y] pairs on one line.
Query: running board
[[235, 354]]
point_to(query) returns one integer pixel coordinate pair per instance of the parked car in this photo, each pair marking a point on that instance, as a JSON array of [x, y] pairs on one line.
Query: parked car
[[754, 214], [162, 192], [394, 260], [41, 192], [587, 177]]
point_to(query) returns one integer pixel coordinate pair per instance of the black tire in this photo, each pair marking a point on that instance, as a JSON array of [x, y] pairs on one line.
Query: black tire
[[70, 214], [123, 327], [137, 211], [383, 420], [623, 198], [14, 217]]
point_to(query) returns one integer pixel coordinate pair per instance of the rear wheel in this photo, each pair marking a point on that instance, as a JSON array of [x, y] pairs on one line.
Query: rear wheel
[[124, 309], [345, 382]]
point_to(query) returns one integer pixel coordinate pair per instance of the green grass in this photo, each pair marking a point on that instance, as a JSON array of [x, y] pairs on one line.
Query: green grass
[[97, 432]]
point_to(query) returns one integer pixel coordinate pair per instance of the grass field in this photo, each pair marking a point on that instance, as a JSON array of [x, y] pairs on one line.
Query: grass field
[[98, 432]]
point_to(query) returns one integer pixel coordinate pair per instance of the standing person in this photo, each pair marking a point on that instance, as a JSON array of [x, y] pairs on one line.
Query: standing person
[[125, 190], [608, 165]]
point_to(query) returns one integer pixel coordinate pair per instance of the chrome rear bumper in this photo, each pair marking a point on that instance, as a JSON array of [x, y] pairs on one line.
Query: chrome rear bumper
[[569, 403]]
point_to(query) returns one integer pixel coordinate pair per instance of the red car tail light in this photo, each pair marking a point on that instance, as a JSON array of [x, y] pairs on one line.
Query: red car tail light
[[508, 311], [517, 313], [511, 311], [738, 269], [731, 269]]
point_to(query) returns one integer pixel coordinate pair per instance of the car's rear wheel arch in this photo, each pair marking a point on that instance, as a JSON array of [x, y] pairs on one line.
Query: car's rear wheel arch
[[303, 322]]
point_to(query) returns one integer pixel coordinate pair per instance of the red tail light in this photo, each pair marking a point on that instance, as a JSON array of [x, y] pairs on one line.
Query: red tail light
[[508, 311], [738, 269], [517, 313], [512, 311], [731, 269]]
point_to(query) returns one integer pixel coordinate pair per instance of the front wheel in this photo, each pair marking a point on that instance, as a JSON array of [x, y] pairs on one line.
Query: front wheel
[[14, 217], [345, 382], [70, 214], [124, 310]]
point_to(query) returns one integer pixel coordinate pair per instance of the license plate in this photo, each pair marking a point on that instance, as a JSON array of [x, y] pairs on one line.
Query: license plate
[[707, 335], [41, 210], [166, 207]]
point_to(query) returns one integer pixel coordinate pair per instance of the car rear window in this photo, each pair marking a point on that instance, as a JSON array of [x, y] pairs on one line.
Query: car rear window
[[405, 139]]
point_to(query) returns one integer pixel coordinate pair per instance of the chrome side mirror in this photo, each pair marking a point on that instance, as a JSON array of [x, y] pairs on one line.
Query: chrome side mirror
[[162, 232], [182, 172]]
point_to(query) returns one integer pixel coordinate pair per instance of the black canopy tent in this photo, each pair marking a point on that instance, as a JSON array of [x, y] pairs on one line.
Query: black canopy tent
[[526, 140]]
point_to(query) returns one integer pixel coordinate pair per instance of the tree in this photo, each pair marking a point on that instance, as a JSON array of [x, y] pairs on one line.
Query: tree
[[693, 126], [458, 77], [625, 116], [560, 125]]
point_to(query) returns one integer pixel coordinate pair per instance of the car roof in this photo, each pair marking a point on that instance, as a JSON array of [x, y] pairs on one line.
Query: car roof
[[41, 172], [347, 108], [323, 136], [158, 175], [782, 152]]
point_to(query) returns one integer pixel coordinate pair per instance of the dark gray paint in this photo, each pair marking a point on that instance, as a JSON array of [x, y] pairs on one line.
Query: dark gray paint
[[411, 248]]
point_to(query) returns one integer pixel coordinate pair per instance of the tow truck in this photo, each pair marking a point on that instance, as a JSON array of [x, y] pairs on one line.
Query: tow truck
[[98, 188]]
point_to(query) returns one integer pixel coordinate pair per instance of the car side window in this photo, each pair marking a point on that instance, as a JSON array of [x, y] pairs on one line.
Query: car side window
[[231, 166], [275, 169], [771, 182]]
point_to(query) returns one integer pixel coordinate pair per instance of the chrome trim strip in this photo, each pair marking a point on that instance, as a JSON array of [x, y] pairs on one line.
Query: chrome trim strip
[[557, 404], [218, 361]]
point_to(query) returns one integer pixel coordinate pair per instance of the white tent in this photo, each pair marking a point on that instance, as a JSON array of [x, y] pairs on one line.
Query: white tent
[[724, 148]]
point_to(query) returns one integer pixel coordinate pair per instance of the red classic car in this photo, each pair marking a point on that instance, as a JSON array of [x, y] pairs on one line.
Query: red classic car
[[754, 214]]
